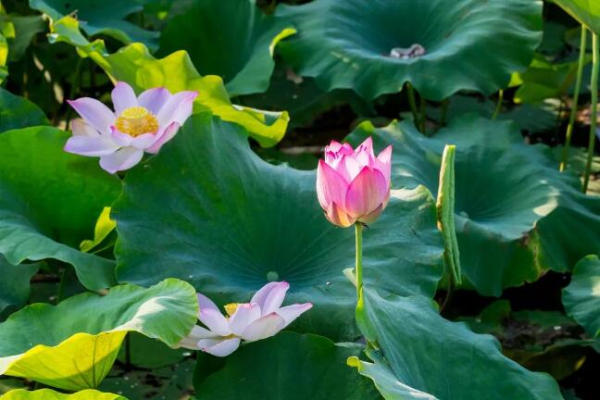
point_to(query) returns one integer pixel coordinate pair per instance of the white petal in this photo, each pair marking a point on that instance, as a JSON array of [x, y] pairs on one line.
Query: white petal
[[80, 128], [177, 109], [261, 295], [121, 160], [94, 113], [91, 146], [275, 298], [144, 141], [219, 348], [123, 97], [199, 332], [205, 303], [154, 99], [244, 315], [263, 328], [215, 321], [290, 313]]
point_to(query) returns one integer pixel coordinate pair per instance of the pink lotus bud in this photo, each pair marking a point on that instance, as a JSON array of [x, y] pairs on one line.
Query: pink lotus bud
[[354, 185]]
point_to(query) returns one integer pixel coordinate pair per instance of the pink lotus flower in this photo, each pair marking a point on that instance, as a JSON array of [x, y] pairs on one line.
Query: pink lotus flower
[[139, 124], [353, 185], [262, 318]]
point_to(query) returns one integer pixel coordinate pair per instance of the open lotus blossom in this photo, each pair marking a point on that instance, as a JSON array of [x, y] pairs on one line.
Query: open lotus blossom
[[354, 185], [262, 318], [138, 124]]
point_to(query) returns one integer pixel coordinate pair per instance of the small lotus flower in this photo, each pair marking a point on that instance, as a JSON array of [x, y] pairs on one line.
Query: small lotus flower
[[139, 124], [353, 185], [262, 318]]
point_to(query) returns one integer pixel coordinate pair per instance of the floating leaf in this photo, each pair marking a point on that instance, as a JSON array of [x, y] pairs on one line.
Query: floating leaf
[[416, 346], [511, 201], [135, 65], [439, 46], [47, 394], [49, 213], [210, 31], [582, 297], [73, 345], [14, 283], [17, 112], [229, 222], [289, 366], [100, 17]]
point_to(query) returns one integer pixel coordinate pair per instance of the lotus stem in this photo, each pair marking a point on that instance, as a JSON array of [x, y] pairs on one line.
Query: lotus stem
[[444, 112], [499, 104], [413, 104], [423, 115], [358, 269], [569, 134], [594, 114]]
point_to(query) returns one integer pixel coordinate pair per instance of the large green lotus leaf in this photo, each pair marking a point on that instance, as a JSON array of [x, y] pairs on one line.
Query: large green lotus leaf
[[47, 214], [582, 296], [135, 65], [14, 283], [468, 44], [210, 31], [230, 222], [587, 12], [419, 349], [17, 112], [48, 394], [289, 366], [515, 213], [73, 345], [100, 17], [543, 80]]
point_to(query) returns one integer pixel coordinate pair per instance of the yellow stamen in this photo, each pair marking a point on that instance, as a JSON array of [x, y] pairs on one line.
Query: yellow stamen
[[135, 121], [231, 308]]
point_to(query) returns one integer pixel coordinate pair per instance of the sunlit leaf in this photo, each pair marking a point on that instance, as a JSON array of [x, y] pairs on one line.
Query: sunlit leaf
[[210, 31], [48, 394], [73, 345], [135, 65]]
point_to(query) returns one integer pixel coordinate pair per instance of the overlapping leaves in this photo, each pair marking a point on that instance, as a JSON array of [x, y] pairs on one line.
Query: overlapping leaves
[[210, 31], [48, 213], [230, 222], [135, 65], [510, 199], [416, 347], [73, 345]]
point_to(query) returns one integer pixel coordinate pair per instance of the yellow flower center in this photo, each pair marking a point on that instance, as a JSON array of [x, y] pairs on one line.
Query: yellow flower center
[[135, 121], [231, 308]]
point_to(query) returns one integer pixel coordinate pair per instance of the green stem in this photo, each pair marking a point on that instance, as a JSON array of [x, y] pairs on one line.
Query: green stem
[[582, 50], [358, 270], [444, 112], [413, 104], [499, 104], [594, 115], [423, 115]]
